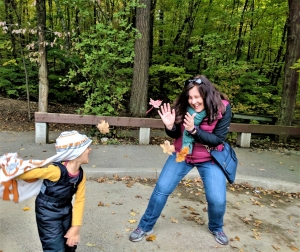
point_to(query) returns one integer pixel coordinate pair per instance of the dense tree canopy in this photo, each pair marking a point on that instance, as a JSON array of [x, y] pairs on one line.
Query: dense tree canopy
[[239, 44]]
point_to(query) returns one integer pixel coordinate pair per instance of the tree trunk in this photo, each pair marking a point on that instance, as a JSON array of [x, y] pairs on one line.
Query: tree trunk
[[63, 24], [139, 89], [240, 39], [152, 17], [291, 76], [26, 79], [43, 68]]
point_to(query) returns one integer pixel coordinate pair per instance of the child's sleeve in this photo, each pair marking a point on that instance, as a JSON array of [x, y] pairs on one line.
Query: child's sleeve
[[51, 172], [78, 206]]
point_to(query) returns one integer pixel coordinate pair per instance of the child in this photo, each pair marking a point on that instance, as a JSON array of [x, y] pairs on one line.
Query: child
[[57, 221]]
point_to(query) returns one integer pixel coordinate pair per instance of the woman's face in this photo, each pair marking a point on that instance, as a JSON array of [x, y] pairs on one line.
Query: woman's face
[[195, 99]]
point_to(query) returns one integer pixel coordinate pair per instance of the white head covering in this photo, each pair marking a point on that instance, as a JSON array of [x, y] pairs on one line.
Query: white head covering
[[69, 145]]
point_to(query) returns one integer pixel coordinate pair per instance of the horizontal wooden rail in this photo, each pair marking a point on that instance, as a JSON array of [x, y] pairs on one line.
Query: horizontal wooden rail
[[270, 119], [91, 119], [157, 123], [145, 124], [264, 129]]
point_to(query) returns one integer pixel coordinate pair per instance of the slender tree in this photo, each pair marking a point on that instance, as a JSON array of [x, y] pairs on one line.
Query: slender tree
[[291, 76], [43, 68], [139, 89]]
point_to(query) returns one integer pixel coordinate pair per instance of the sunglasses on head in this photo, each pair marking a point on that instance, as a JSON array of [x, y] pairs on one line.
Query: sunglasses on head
[[198, 81]]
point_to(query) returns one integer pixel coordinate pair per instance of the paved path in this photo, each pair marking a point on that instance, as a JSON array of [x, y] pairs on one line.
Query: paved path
[[270, 169], [259, 221]]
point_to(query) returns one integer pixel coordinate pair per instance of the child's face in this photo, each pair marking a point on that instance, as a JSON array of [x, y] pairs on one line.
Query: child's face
[[84, 157]]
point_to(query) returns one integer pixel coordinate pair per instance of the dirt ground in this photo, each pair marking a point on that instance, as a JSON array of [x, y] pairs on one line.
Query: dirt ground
[[14, 115]]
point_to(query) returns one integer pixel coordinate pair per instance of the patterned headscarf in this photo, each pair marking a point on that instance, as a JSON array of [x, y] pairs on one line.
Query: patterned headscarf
[[69, 145]]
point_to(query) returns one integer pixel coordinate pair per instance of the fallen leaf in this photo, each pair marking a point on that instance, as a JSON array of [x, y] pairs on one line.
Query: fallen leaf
[[103, 127], [275, 247], [132, 221], [167, 147], [293, 248], [247, 220], [151, 237], [26, 208], [237, 238], [100, 203], [173, 220], [101, 180], [90, 244]]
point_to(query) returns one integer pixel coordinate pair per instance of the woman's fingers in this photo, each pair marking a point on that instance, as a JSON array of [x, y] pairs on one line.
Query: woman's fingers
[[165, 108]]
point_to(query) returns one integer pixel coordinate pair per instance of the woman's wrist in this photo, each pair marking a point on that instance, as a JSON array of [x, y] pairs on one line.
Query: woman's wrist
[[170, 127], [192, 132]]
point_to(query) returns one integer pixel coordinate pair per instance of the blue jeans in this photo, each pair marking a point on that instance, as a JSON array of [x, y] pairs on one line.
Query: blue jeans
[[172, 173]]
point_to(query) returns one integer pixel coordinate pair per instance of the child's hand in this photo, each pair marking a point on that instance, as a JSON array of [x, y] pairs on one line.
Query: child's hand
[[73, 236]]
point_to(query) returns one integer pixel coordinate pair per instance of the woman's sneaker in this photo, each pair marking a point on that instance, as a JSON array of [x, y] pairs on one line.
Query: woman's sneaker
[[220, 237], [138, 234]]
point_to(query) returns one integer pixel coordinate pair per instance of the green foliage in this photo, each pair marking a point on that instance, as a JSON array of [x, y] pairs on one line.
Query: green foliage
[[165, 81], [106, 71], [248, 91], [296, 65], [12, 80], [239, 47]]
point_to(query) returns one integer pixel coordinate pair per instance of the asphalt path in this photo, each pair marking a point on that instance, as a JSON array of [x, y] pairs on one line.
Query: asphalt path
[[257, 218]]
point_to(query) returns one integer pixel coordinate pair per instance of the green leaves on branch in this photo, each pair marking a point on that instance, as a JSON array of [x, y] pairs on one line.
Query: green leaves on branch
[[105, 74]]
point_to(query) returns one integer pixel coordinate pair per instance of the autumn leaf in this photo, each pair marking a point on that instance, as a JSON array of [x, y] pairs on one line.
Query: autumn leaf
[[90, 244], [182, 154], [132, 221], [155, 104], [188, 207], [293, 248], [26, 208], [103, 127], [173, 220], [151, 237], [275, 247], [167, 147]]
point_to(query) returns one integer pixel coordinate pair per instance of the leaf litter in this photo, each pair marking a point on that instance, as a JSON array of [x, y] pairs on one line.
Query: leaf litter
[[259, 219]]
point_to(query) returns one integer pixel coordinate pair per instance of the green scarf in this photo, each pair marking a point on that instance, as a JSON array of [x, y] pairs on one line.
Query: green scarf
[[187, 139]]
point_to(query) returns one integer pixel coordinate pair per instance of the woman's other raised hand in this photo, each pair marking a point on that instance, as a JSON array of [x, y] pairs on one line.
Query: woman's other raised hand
[[167, 115]]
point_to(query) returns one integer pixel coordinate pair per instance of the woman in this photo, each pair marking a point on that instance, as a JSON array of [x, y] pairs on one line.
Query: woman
[[194, 136]]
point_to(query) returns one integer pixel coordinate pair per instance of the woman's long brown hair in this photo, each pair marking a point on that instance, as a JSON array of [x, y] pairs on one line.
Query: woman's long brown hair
[[212, 98]]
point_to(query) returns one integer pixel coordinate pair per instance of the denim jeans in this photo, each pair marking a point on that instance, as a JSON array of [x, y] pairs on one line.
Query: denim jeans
[[172, 173]]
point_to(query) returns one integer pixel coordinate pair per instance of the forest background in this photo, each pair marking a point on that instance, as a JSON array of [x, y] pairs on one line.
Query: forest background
[[112, 56]]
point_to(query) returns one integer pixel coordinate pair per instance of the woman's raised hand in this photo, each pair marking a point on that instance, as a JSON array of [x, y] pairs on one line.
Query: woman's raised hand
[[167, 115]]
